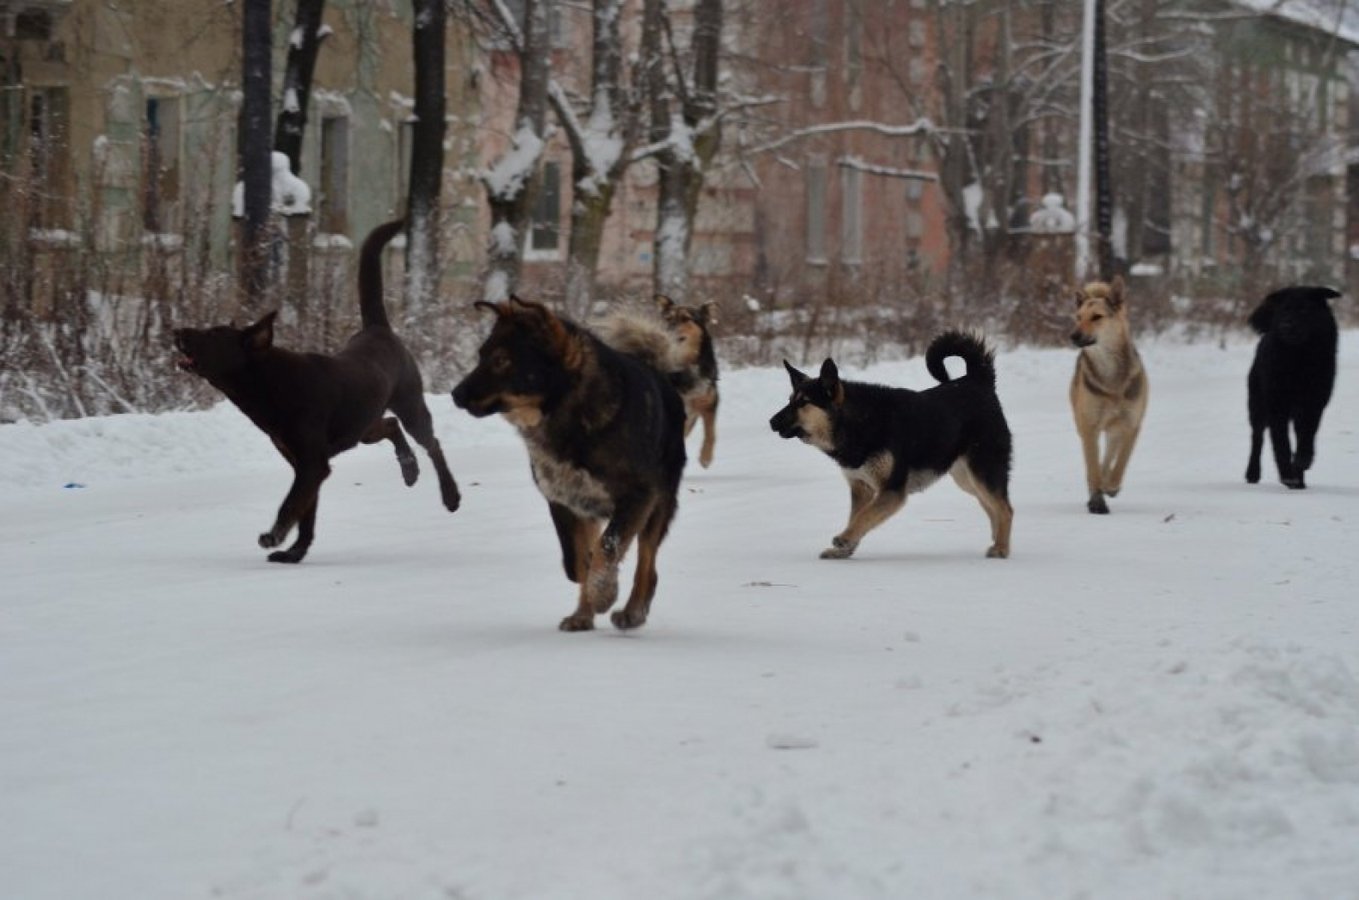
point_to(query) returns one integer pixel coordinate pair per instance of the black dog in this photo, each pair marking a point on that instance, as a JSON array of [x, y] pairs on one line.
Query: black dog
[[1291, 378], [313, 406], [605, 435], [891, 442]]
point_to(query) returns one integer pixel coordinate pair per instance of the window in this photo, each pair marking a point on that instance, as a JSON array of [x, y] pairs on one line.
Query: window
[[545, 230], [818, 26], [852, 215], [332, 207], [161, 172], [854, 41], [816, 213], [47, 151]]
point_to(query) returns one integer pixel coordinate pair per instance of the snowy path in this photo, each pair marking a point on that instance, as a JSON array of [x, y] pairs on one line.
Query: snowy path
[[1161, 702]]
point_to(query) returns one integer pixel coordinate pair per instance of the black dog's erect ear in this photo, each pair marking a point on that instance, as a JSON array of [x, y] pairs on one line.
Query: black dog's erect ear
[[830, 380], [260, 336], [496, 308], [798, 378]]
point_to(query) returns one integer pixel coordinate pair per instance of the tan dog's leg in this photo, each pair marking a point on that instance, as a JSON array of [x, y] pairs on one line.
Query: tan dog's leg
[[997, 508], [863, 518], [1121, 441], [1090, 448], [584, 536], [705, 454]]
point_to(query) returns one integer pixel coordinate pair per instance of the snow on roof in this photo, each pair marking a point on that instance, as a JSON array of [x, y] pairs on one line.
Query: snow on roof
[[1328, 16]]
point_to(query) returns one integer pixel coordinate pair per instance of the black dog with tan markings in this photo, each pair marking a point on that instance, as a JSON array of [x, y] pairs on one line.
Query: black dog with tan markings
[[314, 406], [892, 442], [1292, 377], [605, 437]]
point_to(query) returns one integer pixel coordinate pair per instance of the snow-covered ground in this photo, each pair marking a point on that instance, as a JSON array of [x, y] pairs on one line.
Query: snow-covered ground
[[1158, 703]]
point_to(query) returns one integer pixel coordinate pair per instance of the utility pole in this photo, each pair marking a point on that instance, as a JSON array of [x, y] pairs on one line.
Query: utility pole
[[1083, 143]]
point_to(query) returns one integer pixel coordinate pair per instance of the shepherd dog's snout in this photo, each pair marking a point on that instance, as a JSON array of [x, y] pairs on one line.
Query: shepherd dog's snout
[[1081, 339], [784, 422]]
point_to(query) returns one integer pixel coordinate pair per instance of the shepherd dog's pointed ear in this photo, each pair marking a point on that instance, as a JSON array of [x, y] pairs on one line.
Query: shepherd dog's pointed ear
[[1078, 295], [830, 380], [260, 336], [1118, 293], [708, 313], [797, 378], [664, 303]]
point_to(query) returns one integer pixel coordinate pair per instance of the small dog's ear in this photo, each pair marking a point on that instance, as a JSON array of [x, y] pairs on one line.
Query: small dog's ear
[[708, 313], [830, 379], [797, 378], [260, 336], [1117, 293]]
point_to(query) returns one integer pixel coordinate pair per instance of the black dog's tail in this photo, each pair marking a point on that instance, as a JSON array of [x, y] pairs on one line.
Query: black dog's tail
[[371, 308], [980, 359]]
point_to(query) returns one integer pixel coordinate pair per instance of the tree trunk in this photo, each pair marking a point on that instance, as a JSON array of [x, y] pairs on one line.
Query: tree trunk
[[684, 162], [511, 184], [427, 158], [303, 46], [255, 150], [1104, 192]]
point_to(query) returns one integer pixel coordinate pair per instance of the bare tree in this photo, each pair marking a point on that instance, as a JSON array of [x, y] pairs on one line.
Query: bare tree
[[686, 131], [510, 183], [255, 162], [303, 46], [427, 156]]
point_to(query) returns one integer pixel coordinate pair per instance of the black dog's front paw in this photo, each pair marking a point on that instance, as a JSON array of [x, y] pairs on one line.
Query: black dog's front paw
[[410, 469], [270, 539], [291, 555], [1252, 474], [1294, 483]]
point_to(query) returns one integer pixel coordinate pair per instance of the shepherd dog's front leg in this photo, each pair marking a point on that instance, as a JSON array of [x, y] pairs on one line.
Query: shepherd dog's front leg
[[577, 536], [612, 546]]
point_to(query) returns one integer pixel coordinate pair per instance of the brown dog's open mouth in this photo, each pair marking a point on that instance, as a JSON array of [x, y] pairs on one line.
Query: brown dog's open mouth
[[185, 362]]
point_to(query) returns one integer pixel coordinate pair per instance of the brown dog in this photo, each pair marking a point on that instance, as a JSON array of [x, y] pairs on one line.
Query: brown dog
[[696, 379], [1108, 390], [313, 406]]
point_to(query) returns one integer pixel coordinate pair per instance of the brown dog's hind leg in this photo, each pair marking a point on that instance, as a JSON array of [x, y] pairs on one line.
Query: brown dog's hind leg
[[415, 418], [388, 429], [306, 531], [709, 414]]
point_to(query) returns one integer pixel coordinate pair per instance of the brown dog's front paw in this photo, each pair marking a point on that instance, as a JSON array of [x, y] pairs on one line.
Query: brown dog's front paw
[[287, 556], [624, 620], [840, 548], [452, 499], [410, 469], [577, 622], [1097, 505], [994, 552], [270, 539], [603, 590]]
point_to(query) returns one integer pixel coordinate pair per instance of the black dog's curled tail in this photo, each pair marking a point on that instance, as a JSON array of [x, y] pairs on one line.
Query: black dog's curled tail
[[980, 359], [371, 308]]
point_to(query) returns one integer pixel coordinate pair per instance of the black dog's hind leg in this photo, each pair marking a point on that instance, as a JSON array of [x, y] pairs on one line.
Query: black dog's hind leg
[[1283, 453], [1305, 425], [1257, 431], [415, 418], [308, 473], [388, 429]]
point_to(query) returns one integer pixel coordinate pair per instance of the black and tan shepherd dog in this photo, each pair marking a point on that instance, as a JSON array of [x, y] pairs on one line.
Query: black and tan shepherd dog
[[891, 442], [696, 374], [605, 435], [314, 406], [1291, 380]]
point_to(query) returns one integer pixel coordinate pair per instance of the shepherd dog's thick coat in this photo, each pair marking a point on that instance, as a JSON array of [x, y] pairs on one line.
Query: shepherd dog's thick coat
[[696, 375], [1108, 389], [891, 442], [314, 406], [1291, 380], [605, 435]]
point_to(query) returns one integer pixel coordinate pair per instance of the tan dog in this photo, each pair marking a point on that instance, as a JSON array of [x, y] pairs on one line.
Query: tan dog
[[696, 377], [1109, 389]]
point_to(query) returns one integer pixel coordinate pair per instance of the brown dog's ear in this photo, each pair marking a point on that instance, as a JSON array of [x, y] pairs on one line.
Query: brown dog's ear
[[1078, 295], [260, 336], [664, 303], [497, 308], [1117, 292], [708, 313]]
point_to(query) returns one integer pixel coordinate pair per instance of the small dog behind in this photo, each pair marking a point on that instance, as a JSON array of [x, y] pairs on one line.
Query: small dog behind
[[696, 375], [1291, 379], [1108, 389], [605, 437], [313, 406], [892, 442]]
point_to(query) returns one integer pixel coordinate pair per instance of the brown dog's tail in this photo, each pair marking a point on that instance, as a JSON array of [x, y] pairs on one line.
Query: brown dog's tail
[[639, 336], [371, 308], [980, 359]]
